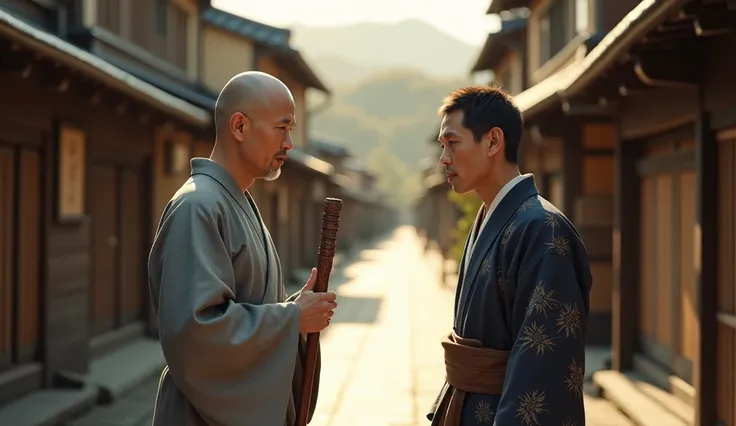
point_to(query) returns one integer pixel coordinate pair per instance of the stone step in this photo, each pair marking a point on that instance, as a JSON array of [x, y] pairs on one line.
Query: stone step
[[125, 368], [48, 407], [644, 403]]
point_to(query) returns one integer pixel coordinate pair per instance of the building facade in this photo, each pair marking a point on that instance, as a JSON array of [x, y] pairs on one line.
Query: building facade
[[105, 102], [78, 141], [657, 135], [572, 158]]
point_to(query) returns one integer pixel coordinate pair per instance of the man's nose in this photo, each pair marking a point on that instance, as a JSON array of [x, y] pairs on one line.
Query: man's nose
[[444, 158], [288, 143]]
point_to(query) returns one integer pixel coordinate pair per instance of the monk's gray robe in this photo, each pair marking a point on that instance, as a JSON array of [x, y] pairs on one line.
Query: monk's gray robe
[[230, 337], [526, 291]]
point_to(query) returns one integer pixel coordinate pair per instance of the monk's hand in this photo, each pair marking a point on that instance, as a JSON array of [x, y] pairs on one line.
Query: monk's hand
[[316, 308]]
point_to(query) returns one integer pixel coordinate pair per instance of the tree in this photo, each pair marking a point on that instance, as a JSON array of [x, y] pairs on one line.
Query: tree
[[468, 203]]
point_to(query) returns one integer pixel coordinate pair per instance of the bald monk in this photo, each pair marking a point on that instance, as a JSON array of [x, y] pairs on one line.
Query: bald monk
[[232, 340]]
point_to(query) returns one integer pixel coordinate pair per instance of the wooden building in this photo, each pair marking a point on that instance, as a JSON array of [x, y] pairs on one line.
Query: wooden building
[[670, 125], [568, 146], [78, 140]]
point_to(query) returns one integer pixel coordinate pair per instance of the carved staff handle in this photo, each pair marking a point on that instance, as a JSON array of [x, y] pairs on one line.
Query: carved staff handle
[[327, 242]]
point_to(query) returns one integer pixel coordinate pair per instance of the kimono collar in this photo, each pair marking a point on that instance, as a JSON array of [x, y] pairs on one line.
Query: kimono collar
[[487, 237], [205, 166]]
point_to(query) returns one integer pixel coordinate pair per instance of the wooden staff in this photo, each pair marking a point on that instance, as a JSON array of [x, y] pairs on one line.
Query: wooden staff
[[327, 242]]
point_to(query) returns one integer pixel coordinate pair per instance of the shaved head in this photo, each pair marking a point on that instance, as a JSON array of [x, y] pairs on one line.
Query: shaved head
[[248, 93], [254, 115]]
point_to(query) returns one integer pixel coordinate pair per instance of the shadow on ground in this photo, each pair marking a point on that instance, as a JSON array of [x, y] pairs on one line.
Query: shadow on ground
[[357, 310]]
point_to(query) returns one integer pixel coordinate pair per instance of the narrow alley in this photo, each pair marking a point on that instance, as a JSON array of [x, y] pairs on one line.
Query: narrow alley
[[382, 361]]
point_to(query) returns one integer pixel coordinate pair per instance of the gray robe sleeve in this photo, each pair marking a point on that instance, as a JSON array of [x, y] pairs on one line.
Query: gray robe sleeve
[[544, 376], [227, 358]]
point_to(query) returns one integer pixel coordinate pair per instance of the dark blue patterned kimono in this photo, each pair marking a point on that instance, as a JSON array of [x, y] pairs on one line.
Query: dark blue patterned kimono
[[526, 291]]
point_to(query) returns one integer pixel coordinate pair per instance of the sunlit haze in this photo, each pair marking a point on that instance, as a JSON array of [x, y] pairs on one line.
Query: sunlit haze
[[465, 20]]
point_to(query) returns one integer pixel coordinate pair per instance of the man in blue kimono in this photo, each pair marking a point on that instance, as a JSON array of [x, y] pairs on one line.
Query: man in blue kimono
[[516, 354]]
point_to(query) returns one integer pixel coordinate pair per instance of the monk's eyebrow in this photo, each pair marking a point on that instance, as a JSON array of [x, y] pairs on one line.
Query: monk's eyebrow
[[287, 120]]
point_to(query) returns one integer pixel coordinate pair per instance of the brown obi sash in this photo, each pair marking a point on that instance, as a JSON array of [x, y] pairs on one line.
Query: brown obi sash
[[469, 368]]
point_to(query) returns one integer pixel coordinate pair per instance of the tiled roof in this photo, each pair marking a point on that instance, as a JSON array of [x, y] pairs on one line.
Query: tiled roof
[[495, 46], [256, 31], [274, 38]]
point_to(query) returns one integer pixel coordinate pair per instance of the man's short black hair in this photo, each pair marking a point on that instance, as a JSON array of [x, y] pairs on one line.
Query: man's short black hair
[[486, 107]]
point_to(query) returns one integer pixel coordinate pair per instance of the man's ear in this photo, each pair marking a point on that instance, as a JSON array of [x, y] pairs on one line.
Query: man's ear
[[496, 141], [239, 125]]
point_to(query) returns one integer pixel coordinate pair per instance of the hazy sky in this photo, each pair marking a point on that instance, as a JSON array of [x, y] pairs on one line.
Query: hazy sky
[[464, 19]]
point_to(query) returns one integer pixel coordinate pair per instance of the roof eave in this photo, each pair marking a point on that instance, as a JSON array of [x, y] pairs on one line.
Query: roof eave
[[643, 18], [53, 47], [490, 55], [305, 73]]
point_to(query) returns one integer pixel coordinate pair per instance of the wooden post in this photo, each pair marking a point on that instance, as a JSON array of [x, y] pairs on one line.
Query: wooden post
[[706, 268], [626, 238]]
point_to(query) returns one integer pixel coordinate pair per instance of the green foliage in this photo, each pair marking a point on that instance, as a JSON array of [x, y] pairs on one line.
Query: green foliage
[[468, 203], [394, 176]]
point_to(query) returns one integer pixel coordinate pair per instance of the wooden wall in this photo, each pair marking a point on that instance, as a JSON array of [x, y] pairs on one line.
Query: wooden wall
[[21, 225], [593, 217], [67, 268], [726, 335], [720, 100], [223, 56], [668, 319]]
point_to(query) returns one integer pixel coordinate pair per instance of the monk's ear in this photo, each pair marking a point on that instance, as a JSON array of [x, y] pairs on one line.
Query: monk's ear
[[495, 141], [239, 126]]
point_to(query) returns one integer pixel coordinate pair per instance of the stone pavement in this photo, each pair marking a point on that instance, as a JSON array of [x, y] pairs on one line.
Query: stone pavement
[[382, 362], [134, 408]]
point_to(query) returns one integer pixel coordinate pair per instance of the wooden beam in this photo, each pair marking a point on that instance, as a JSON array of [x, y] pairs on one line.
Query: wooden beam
[[667, 69], [55, 76], [601, 108], [555, 126], [14, 60], [572, 157], [626, 243], [712, 21], [706, 270], [628, 83], [621, 81], [91, 91]]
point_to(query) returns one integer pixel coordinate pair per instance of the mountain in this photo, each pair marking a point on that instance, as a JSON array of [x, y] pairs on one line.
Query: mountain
[[387, 120], [387, 82], [338, 71], [372, 46]]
